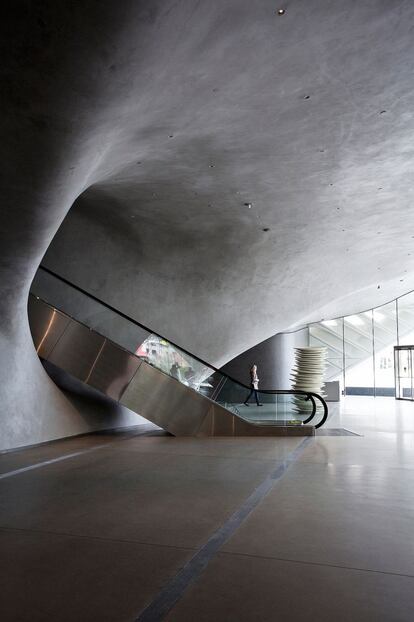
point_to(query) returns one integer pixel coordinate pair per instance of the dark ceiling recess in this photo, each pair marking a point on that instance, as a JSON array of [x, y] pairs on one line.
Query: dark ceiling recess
[[281, 11]]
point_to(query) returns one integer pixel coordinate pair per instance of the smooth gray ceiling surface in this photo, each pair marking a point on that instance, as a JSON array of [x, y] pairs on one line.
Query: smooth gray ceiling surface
[[166, 118]]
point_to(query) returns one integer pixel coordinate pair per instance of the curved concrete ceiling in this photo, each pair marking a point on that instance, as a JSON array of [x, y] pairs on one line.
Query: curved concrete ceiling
[[167, 118]]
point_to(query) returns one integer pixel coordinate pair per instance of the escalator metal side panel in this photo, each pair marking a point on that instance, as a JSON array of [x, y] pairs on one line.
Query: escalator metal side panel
[[165, 401], [47, 326], [220, 422], [113, 371], [77, 350]]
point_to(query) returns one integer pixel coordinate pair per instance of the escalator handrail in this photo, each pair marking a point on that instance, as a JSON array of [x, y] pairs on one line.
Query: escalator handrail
[[309, 394]]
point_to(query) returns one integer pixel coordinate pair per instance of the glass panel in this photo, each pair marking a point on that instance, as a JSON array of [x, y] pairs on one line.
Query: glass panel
[[397, 373], [161, 354], [359, 362], [385, 338], [261, 407], [405, 374], [329, 333], [406, 320], [87, 311]]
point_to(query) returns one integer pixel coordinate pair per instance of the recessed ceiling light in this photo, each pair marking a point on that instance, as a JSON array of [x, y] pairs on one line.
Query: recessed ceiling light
[[281, 11], [249, 205], [266, 229], [306, 97]]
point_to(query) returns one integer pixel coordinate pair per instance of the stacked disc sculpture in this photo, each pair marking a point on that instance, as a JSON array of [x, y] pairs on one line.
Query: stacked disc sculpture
[[307, 375]]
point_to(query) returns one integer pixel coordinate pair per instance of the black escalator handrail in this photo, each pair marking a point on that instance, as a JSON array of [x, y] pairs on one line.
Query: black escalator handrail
[[324, 406], [307, 394]]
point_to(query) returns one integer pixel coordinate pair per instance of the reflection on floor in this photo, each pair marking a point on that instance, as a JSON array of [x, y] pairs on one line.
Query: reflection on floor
[[99, 535], [335, 432]]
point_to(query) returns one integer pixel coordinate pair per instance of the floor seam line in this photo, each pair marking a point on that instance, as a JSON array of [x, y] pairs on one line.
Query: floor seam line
[[162, 453], [309, 563], [98, 538]]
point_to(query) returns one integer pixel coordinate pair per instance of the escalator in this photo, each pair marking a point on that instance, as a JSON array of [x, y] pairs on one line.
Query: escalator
[[107, 350]]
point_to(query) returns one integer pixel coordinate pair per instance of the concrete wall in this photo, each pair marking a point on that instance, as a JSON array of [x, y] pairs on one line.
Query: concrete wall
[[53, 120]]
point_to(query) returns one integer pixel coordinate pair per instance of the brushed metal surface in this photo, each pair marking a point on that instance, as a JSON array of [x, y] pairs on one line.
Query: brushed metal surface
[[113, 370], [165, 401], [47, 326], [77, 350]]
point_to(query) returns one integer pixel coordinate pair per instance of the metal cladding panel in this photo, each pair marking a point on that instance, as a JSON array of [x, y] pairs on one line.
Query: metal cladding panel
[[165, 401], [47, 326], [77, 350], [113, 370], [220, 422]]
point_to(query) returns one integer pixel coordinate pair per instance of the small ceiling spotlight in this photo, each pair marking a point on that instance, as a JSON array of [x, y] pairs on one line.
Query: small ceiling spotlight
[[249, 205], [281, 11], [211, 165], [306, 97], [266, 229]]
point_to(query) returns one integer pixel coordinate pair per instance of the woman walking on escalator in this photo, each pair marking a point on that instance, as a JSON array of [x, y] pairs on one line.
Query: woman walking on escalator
[[254, 383]]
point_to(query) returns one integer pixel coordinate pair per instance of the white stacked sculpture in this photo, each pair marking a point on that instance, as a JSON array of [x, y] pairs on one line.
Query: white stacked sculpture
[[307, 375]]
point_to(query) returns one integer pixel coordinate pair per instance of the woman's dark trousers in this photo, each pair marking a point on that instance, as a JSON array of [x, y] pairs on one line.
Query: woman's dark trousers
[[255, 395]]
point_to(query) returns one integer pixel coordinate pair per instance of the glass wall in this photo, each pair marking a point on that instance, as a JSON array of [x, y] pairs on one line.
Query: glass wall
[[359, 354], [361, 346], [405, 310], [330, 333], [385, 338]]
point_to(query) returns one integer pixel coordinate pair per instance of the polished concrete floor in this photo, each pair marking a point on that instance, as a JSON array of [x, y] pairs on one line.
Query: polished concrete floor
[[104, 525]]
